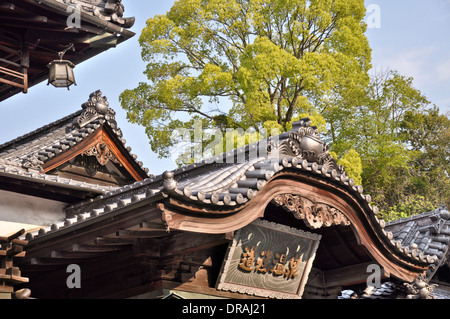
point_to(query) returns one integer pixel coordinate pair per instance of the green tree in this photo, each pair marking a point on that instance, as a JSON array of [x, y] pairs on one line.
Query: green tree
[[245, 63], [352, 163], [428, 133], [401, 138]]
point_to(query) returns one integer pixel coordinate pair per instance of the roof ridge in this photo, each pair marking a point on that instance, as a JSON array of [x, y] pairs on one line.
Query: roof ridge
[[39, 130], [416, 216], [35, 148]]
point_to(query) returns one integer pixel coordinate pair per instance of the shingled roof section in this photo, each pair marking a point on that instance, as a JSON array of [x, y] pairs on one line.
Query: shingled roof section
[[425, 233], [25, 156], [218, 184], [107, 10], [428, 233]]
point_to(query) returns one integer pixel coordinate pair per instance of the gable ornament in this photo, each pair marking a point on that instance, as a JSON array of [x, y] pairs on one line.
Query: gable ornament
[[102, 153], [96, 107], [419, 289], [315, 215]]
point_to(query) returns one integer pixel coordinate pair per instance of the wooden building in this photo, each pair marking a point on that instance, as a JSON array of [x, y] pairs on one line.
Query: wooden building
[[32, 33], [275, 219]]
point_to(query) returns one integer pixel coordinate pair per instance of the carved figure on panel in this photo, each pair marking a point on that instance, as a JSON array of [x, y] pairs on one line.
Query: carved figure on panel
[[265, 264], [274, 266]]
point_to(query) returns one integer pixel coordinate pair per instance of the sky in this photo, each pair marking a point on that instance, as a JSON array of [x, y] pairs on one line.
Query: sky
[[410, 36]]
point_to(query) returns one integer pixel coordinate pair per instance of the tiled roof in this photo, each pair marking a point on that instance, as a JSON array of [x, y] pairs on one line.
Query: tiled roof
[[427, 234], [25, 155], [107, 10], [395, 290], [11, 169], [218, 182], [387, 290]]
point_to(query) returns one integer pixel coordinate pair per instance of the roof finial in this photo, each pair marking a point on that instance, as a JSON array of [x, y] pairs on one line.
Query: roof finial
[[97, 107], [97, 101]]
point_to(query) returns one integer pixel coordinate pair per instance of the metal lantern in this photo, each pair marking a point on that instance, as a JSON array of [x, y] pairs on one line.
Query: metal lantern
[[61, 72]]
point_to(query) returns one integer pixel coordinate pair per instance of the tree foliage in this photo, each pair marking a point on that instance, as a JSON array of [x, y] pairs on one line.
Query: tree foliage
[[245, 63], [255, 65], [402, 140]]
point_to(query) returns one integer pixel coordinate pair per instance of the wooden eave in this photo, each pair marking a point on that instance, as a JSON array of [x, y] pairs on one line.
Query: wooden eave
[[184, 215], [46, 189], [101, 135], [33, 32], [155, 226], [193, 212]]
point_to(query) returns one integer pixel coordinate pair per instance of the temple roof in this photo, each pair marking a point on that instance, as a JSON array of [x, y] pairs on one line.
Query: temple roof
[[428, 232], [34, 155], [107, 10], [221, 187], [33, 33]]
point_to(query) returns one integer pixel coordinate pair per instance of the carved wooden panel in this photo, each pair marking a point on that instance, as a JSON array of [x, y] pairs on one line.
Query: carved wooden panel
[[315, 215], [269, 260], [102, 152]]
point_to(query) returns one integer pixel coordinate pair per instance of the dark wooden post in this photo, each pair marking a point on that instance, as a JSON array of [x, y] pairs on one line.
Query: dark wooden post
[[10, 247]]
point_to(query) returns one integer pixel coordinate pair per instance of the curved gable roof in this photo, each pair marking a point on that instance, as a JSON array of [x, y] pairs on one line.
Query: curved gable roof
[[34, 154], [223, 194]]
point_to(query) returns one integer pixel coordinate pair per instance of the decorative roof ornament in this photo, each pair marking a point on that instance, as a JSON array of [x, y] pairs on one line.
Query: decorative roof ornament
[[304, 142], [32, 163], [419, 289], [102, 153], [315, 215]]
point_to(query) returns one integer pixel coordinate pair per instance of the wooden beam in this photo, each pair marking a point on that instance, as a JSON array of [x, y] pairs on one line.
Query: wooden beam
[[10, 238], [9, 50], [26, 19], [22, 86], [7, 6], [43, 261], [97, 248], [144, 233], [113, 242], [11, 72], [81, 255], [184, 242]]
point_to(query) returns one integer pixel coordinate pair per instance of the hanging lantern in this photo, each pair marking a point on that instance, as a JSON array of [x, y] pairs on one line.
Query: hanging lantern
[[61, 72]]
